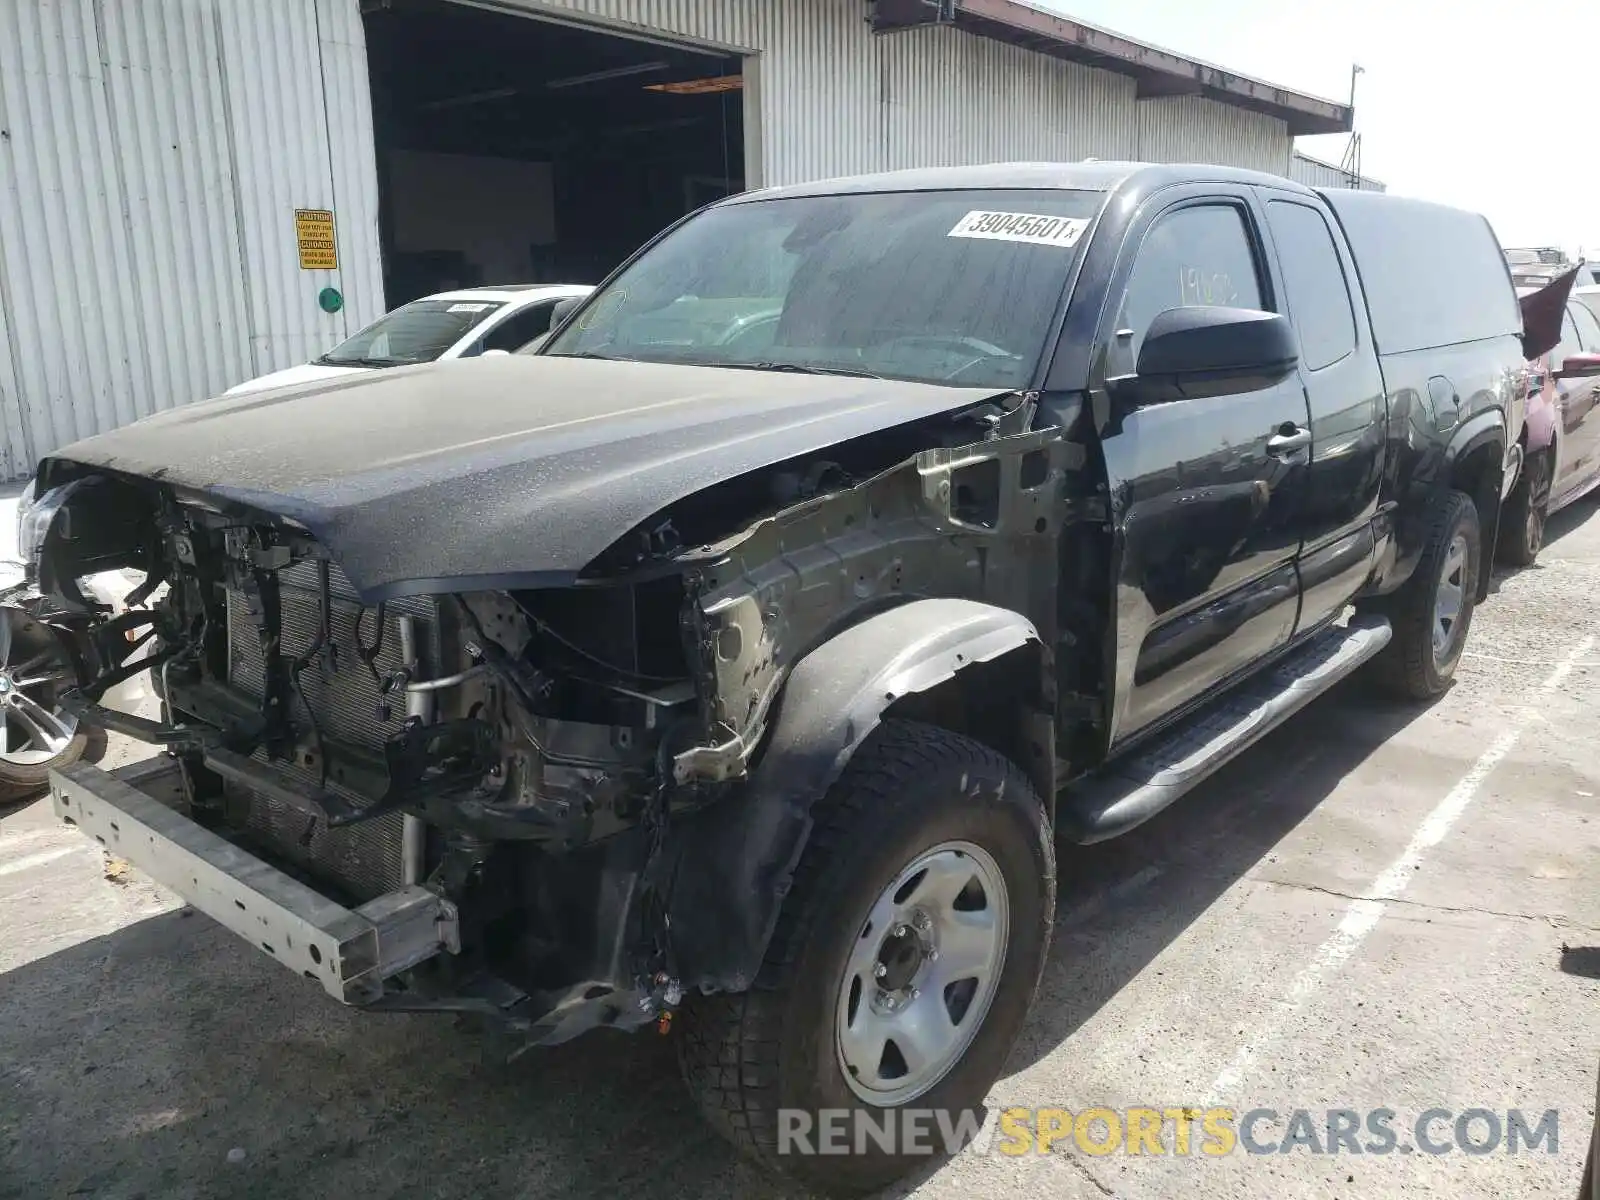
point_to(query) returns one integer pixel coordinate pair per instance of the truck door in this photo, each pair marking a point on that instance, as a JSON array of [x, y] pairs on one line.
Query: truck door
[[1203, 492], [1344, 390]]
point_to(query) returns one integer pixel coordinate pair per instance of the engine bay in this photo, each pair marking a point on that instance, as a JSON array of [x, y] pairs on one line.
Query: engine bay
[[561, 764]]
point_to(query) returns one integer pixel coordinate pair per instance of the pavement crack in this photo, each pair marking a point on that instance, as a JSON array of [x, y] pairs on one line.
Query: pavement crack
[[1558, 922], [1083, 1169]]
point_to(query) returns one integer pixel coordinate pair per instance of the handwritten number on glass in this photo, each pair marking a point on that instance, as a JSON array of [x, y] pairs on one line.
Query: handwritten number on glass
[[1205, 287]]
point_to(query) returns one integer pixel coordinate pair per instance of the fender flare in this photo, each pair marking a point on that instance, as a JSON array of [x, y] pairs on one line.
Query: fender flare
[[732, 862], [1429, 476], [1484, 427]]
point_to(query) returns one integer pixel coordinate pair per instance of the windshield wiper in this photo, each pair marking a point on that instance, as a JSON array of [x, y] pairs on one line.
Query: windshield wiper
[[325, 361], [805, 369]]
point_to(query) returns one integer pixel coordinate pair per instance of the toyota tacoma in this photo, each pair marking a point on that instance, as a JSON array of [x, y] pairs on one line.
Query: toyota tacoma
[[730, 664]]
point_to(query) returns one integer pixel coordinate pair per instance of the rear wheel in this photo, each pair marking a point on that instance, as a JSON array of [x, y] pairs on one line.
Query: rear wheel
[[1522, 520], [906, 956], [1432, 613], [36, 735]]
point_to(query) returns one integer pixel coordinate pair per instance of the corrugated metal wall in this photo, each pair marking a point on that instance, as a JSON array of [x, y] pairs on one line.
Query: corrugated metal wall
[[296, 76], [834, 99], [953, 98], [1315, 173], [1195, 129], [153, 152]]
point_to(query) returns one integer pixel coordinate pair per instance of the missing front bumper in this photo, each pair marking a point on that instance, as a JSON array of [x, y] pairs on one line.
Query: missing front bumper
[[349, 952]]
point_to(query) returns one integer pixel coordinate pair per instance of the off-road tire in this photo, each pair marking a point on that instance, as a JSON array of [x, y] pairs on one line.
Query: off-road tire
[[1523, 517], [909, 788], [1408, 668]]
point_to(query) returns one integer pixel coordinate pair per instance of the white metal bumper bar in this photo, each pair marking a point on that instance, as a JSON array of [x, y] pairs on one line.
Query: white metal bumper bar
[[350, 952]]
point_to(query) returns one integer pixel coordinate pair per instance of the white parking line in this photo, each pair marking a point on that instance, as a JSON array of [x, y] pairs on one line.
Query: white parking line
[[1362, 915], [26, 837], [28, 862]]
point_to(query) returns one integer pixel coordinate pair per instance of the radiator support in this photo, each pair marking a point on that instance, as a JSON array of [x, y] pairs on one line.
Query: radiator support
[[372, 857]]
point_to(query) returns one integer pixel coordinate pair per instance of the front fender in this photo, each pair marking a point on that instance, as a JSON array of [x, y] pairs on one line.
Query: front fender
[[733, 861], [1481, 429], [1437, 466]]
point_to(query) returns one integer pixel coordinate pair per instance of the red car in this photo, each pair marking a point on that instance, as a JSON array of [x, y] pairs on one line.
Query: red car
[[1561, 461]]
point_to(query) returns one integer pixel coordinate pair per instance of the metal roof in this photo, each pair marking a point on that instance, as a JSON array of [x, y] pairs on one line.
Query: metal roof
[[1158, 72], [1343, 170], [1091, 176]]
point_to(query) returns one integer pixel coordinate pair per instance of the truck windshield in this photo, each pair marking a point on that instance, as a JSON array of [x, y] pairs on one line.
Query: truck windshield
[[954, 287], [413, 333]]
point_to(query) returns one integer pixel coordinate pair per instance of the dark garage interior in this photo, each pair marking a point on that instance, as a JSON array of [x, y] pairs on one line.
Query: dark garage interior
[[514, 149]]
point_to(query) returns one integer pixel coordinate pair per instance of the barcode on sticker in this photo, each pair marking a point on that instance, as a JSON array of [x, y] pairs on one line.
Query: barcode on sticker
[[1021, 227], [467, 307]]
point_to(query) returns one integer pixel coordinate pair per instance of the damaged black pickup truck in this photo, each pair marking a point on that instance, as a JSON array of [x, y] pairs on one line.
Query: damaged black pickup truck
[[729, 665]]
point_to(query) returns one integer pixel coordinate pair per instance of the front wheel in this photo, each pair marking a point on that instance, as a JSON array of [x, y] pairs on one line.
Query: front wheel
[[1432, 613], [905, 959], [36, 735], [1522, 520]]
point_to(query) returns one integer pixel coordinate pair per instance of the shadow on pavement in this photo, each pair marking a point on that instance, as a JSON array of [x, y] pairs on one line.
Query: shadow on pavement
[[1568, 521], [133, 1063], [1121, 903], [17, 804], [1582, 961]]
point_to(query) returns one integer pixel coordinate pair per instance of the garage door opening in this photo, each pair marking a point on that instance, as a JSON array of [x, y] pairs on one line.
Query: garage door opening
[[513, 149]]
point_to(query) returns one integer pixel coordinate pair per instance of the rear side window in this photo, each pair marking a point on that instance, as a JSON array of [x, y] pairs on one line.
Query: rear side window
[[1433, 275], [1319, 296], [1201, 255], [520, 328], [1588, 327], [1569, 341]]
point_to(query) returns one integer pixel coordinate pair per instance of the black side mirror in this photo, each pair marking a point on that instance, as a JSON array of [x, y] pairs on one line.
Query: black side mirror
[[1198, 351]]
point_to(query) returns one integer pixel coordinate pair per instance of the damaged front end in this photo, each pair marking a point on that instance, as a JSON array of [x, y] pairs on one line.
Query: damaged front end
[[552, 805]]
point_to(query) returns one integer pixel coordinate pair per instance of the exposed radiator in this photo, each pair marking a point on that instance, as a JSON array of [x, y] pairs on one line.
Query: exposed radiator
[[363, 859]]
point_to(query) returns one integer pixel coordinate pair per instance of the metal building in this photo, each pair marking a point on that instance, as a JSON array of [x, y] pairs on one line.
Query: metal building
[[169, 169], [1313, 172]]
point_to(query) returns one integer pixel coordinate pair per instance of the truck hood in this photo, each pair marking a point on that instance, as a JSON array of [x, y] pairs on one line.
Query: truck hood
[[483, 473]]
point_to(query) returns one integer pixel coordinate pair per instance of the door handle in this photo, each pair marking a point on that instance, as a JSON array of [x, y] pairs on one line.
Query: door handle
[[1288, 443]]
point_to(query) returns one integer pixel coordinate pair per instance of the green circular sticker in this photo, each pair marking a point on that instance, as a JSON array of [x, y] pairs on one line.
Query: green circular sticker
[[329, 300]]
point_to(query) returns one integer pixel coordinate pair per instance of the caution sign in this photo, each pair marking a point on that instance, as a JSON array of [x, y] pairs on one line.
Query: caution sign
[[313, 230]]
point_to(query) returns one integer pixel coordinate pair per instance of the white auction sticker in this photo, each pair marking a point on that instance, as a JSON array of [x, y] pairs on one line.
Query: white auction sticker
[[468, 307], [1021, 227]]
